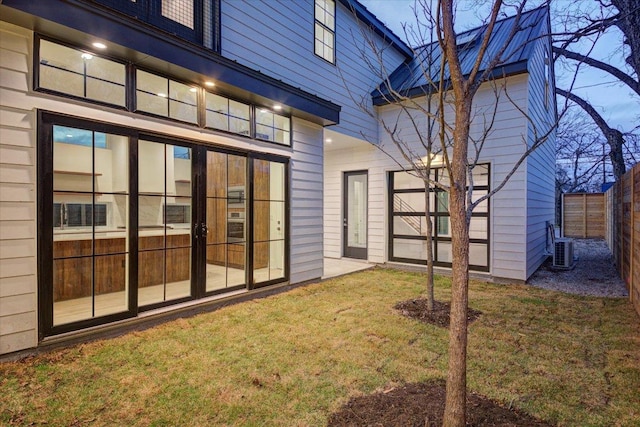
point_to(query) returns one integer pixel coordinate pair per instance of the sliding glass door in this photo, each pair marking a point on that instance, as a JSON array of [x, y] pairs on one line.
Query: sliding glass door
[[130, 222]]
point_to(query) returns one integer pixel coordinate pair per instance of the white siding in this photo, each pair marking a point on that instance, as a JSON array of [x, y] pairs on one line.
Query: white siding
[[504, 146], [18, 301], [359, 157], [277, 38], [306, 202], [541, 164]]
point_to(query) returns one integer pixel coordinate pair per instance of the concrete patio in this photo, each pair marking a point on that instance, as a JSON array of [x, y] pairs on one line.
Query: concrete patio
[[334, 267]]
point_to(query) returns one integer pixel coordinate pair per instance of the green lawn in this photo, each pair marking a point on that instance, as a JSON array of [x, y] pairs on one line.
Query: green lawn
[[292, 359]]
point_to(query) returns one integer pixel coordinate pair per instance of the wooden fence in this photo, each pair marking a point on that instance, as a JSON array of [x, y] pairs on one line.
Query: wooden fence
[[583, 215], [623, 230]]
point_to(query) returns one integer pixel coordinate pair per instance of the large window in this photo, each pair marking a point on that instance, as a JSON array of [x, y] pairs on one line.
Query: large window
[[325, 29], [272, 127], [408, 226], [227, 114], [268, 220], [164, 229], [81, 74], [133, 222]]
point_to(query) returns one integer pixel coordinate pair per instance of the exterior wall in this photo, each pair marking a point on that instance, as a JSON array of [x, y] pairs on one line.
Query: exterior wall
[[508, 206], [277, 38], [508, 209], [18, 188], [306, 202], [541, 163], [18, 317], [360, 156]]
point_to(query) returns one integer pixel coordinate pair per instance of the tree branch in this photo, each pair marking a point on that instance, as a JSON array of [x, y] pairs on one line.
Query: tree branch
[[623, 77]]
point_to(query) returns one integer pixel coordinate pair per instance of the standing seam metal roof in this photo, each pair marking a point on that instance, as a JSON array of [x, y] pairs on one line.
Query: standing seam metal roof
[[416, 76]]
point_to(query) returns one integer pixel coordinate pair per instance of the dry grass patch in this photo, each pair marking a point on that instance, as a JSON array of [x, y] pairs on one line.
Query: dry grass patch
[[294, 358]]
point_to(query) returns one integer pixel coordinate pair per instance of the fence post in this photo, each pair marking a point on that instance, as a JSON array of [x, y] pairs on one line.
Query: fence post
[[584, 215]]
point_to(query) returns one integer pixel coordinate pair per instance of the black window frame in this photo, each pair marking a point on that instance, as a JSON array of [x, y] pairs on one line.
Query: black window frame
[[36, 73], [275, 112], [131, 96], [316, 21], [436, 216], [150, 12]]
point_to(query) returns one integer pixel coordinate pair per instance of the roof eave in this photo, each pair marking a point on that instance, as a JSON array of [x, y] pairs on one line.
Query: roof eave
[[378, 26]]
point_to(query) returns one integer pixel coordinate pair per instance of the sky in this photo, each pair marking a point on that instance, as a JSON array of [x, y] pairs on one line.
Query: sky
[[613, 100]]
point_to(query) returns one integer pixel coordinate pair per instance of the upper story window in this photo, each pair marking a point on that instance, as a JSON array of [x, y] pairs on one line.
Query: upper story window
[[272, 127], [325, 29], [228, 115], [78, 73], [193, 20], [81, 74], [165, 97]]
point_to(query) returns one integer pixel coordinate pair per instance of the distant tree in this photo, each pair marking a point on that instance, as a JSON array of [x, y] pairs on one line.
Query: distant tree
[[623, 15], [580, 160]]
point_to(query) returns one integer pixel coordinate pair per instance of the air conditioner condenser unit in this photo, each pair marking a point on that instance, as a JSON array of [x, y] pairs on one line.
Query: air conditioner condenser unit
[[563, 253]]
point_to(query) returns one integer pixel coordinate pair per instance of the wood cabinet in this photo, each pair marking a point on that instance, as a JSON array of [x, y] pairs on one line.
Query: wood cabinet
[[74, 267]]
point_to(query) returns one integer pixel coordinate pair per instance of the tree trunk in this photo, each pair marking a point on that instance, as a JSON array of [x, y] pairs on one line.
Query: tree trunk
[[616, 142], [430, 295], [455, 405]]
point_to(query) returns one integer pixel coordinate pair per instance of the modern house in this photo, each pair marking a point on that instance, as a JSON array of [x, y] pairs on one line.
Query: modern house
[[159, 156]]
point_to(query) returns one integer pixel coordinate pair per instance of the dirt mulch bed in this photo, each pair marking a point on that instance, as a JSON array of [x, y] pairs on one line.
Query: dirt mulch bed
[[417, 309], [422, 405]]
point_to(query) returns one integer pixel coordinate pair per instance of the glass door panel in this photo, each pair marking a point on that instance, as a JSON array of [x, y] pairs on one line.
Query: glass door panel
[[90, 224], [164, 222], [268, 220], [355, 215], [225, 220]]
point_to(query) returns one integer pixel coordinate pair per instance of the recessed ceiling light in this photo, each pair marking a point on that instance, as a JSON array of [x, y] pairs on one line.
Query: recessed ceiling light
[[86, 56], [328, 140], [99, 45], [277, 107], [209, 84]]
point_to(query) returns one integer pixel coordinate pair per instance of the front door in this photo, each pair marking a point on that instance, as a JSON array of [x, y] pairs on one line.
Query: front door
[[355, 214]]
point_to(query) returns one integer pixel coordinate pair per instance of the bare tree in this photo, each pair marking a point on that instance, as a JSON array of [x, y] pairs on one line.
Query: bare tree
[[580, 154], [415, 159], [452, 88], [623, 15]]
